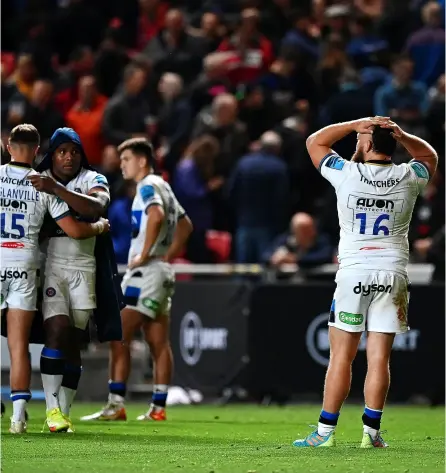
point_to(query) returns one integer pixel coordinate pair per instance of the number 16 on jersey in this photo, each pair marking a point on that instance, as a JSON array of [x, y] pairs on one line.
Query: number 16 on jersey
[[372, 216]]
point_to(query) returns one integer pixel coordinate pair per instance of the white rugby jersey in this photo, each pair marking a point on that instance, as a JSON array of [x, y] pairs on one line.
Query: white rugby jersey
[[23, 209], [64, 250], [153, 190], [375, 205]]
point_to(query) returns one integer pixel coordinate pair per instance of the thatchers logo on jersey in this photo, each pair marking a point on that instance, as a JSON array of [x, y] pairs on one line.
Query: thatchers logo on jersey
[[378, 204], [15, 205], [366, 290], [10, 274], [194, 338]]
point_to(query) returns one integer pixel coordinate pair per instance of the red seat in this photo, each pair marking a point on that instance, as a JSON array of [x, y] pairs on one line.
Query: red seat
[[220, 244]]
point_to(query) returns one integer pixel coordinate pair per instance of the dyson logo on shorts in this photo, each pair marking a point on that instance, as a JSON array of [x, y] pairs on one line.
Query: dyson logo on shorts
[[8, 274], [366, 290]]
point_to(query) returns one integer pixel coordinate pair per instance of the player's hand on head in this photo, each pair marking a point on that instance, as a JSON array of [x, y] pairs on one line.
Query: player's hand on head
[[43, 183], [365, 125], [397, 132]]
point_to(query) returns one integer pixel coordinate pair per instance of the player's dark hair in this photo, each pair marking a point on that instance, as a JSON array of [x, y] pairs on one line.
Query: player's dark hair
[[382, 141], [25, 134], [139, 147]]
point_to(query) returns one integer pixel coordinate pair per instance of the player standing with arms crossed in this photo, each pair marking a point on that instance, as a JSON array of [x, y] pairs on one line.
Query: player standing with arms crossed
[[375, 204], [23, 209], [160, 229], [69, 294]]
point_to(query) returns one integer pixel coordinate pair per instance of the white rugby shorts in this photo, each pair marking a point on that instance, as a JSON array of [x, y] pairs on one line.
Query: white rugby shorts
[[69, 292], [375, 301], [19, 288], [149, 289]]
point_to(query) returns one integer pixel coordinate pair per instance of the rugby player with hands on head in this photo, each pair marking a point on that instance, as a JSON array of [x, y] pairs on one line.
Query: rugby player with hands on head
[[23, 209], [376, 199]]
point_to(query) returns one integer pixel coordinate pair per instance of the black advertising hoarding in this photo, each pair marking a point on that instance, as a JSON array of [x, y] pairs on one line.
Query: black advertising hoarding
[[209, 334], [289, 350]]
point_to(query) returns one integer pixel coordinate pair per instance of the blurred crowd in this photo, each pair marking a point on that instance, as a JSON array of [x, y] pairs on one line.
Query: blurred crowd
[[228, 91]]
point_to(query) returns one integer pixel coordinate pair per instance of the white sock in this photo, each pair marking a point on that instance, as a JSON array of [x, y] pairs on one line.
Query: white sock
[[324, 429], [18, 410], [115, 399], [66, 397], [51, 386], [373, 432]]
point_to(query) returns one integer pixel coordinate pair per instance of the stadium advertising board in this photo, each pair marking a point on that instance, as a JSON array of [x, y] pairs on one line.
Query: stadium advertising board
[[208, 334], [289, 348]]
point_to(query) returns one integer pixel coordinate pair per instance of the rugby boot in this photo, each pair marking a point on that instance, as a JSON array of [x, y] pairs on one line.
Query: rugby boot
[[111, 411], [56, 421], [154, 413], [316, 440], [369, 442], [17, 427]]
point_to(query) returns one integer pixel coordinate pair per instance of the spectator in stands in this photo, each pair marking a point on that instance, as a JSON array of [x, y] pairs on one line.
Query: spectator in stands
[[86, 118], [127, 113], [193, 184], [222, 123], [211, 83], [174, 120], [288, 82], [40, 112], [402, 99], [175, 50], [365, 44], [300, 39], [252, 52], [258, 192], [111, 166], [24, 76], [110, 62], [257, 111], [426, 46], [302, 245], [332, 64], [120, 216], [152, 16], [432, 250], [81, 64], [211, 30]]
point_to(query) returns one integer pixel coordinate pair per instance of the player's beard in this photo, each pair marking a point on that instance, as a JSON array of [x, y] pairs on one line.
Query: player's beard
[[358, 157]]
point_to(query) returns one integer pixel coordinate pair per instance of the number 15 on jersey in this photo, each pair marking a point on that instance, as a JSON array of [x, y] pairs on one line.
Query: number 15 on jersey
[[12, 226]]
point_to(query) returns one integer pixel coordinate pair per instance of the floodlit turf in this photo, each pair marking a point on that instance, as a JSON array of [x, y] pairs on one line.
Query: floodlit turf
[[234, 439]]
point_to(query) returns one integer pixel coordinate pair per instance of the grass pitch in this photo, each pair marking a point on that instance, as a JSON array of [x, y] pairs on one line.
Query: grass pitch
[[231, 439]]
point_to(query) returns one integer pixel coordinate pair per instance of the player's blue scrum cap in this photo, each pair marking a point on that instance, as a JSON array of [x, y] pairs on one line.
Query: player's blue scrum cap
[[61, 136]]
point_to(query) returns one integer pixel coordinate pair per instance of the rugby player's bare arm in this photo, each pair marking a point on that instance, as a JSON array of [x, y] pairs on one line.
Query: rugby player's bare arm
[[419, 149], [82, 230], [155, 219], [320, 144], [92, 205], [180, 237]]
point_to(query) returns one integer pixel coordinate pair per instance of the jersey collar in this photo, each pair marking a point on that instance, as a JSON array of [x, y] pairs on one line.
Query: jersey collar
[[19, 165], [379, 162], [65, 182]]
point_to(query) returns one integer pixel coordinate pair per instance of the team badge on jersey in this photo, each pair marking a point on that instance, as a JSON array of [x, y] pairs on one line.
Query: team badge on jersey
[[147, 192], [335, 162], [50, 292]]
